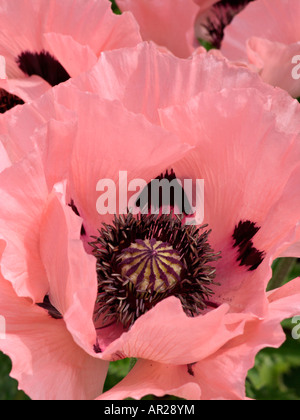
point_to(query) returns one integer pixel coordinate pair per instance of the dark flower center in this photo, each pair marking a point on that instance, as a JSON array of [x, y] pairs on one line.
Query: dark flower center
[[44, 65], [145, 259]]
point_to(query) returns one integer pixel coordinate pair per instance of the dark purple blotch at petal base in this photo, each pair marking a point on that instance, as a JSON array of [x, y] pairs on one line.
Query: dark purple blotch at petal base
[[8, 101], [44, 65], [146, 195], [248, 255], [52, 311]]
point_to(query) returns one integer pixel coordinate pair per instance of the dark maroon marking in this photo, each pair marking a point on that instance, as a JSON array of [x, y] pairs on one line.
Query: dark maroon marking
[[44, 65], [52, 311], [190, 369], [75, 210], [248, 256], [8, 101], [145, 195]]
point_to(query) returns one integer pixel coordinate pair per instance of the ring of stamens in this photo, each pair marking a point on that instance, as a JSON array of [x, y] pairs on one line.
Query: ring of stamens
[[144, 259]]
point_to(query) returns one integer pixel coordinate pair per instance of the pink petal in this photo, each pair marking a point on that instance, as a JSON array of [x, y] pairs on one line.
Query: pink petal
[[152, 378], [152, 339], [28, 89], [79, 59], [285, 301], [250, 189], [275, 20], [145, 79], [46, 361], [274, 60], [159, 22], [29, 127], [24, 191], [142, 148], [223, 375], [70, 271]]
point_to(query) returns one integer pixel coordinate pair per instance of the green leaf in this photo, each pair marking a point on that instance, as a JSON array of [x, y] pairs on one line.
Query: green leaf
[[8, 386], [117, 371], [115, 8], [276, 372], [284, 270], [206, 44]]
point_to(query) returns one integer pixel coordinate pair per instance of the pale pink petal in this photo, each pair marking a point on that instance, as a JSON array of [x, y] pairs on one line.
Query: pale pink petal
[[135, 146], [71, 272], [27, 89], [79, 59], [266, 34], [5, 161], [285, 301], [166, 341], [275, 20], [29, 127], [145, 79], [23, 190], [169, 23], [284, 215], [2, 68], [242, 127], [152, 378], [46, 361], [238, 356], [223, 375], [274, 61]]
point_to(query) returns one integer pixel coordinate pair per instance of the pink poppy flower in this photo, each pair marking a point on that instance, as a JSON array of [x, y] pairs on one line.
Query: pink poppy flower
[[250, 205], [266, 35], [169, 24], [46, 42]]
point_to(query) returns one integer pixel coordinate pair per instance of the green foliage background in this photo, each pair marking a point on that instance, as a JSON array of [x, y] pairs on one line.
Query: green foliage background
[[275, 375]]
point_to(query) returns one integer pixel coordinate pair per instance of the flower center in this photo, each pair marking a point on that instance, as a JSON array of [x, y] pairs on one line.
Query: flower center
[[151, 265], [144, 259]]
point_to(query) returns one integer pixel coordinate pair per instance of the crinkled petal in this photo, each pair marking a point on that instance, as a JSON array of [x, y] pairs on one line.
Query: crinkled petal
[[144, 79], [242, 128], [46, 361], [135, 146], [275, 63], [152, 378], [70, 270], [158, 22], [23, 190], [167, 341]]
